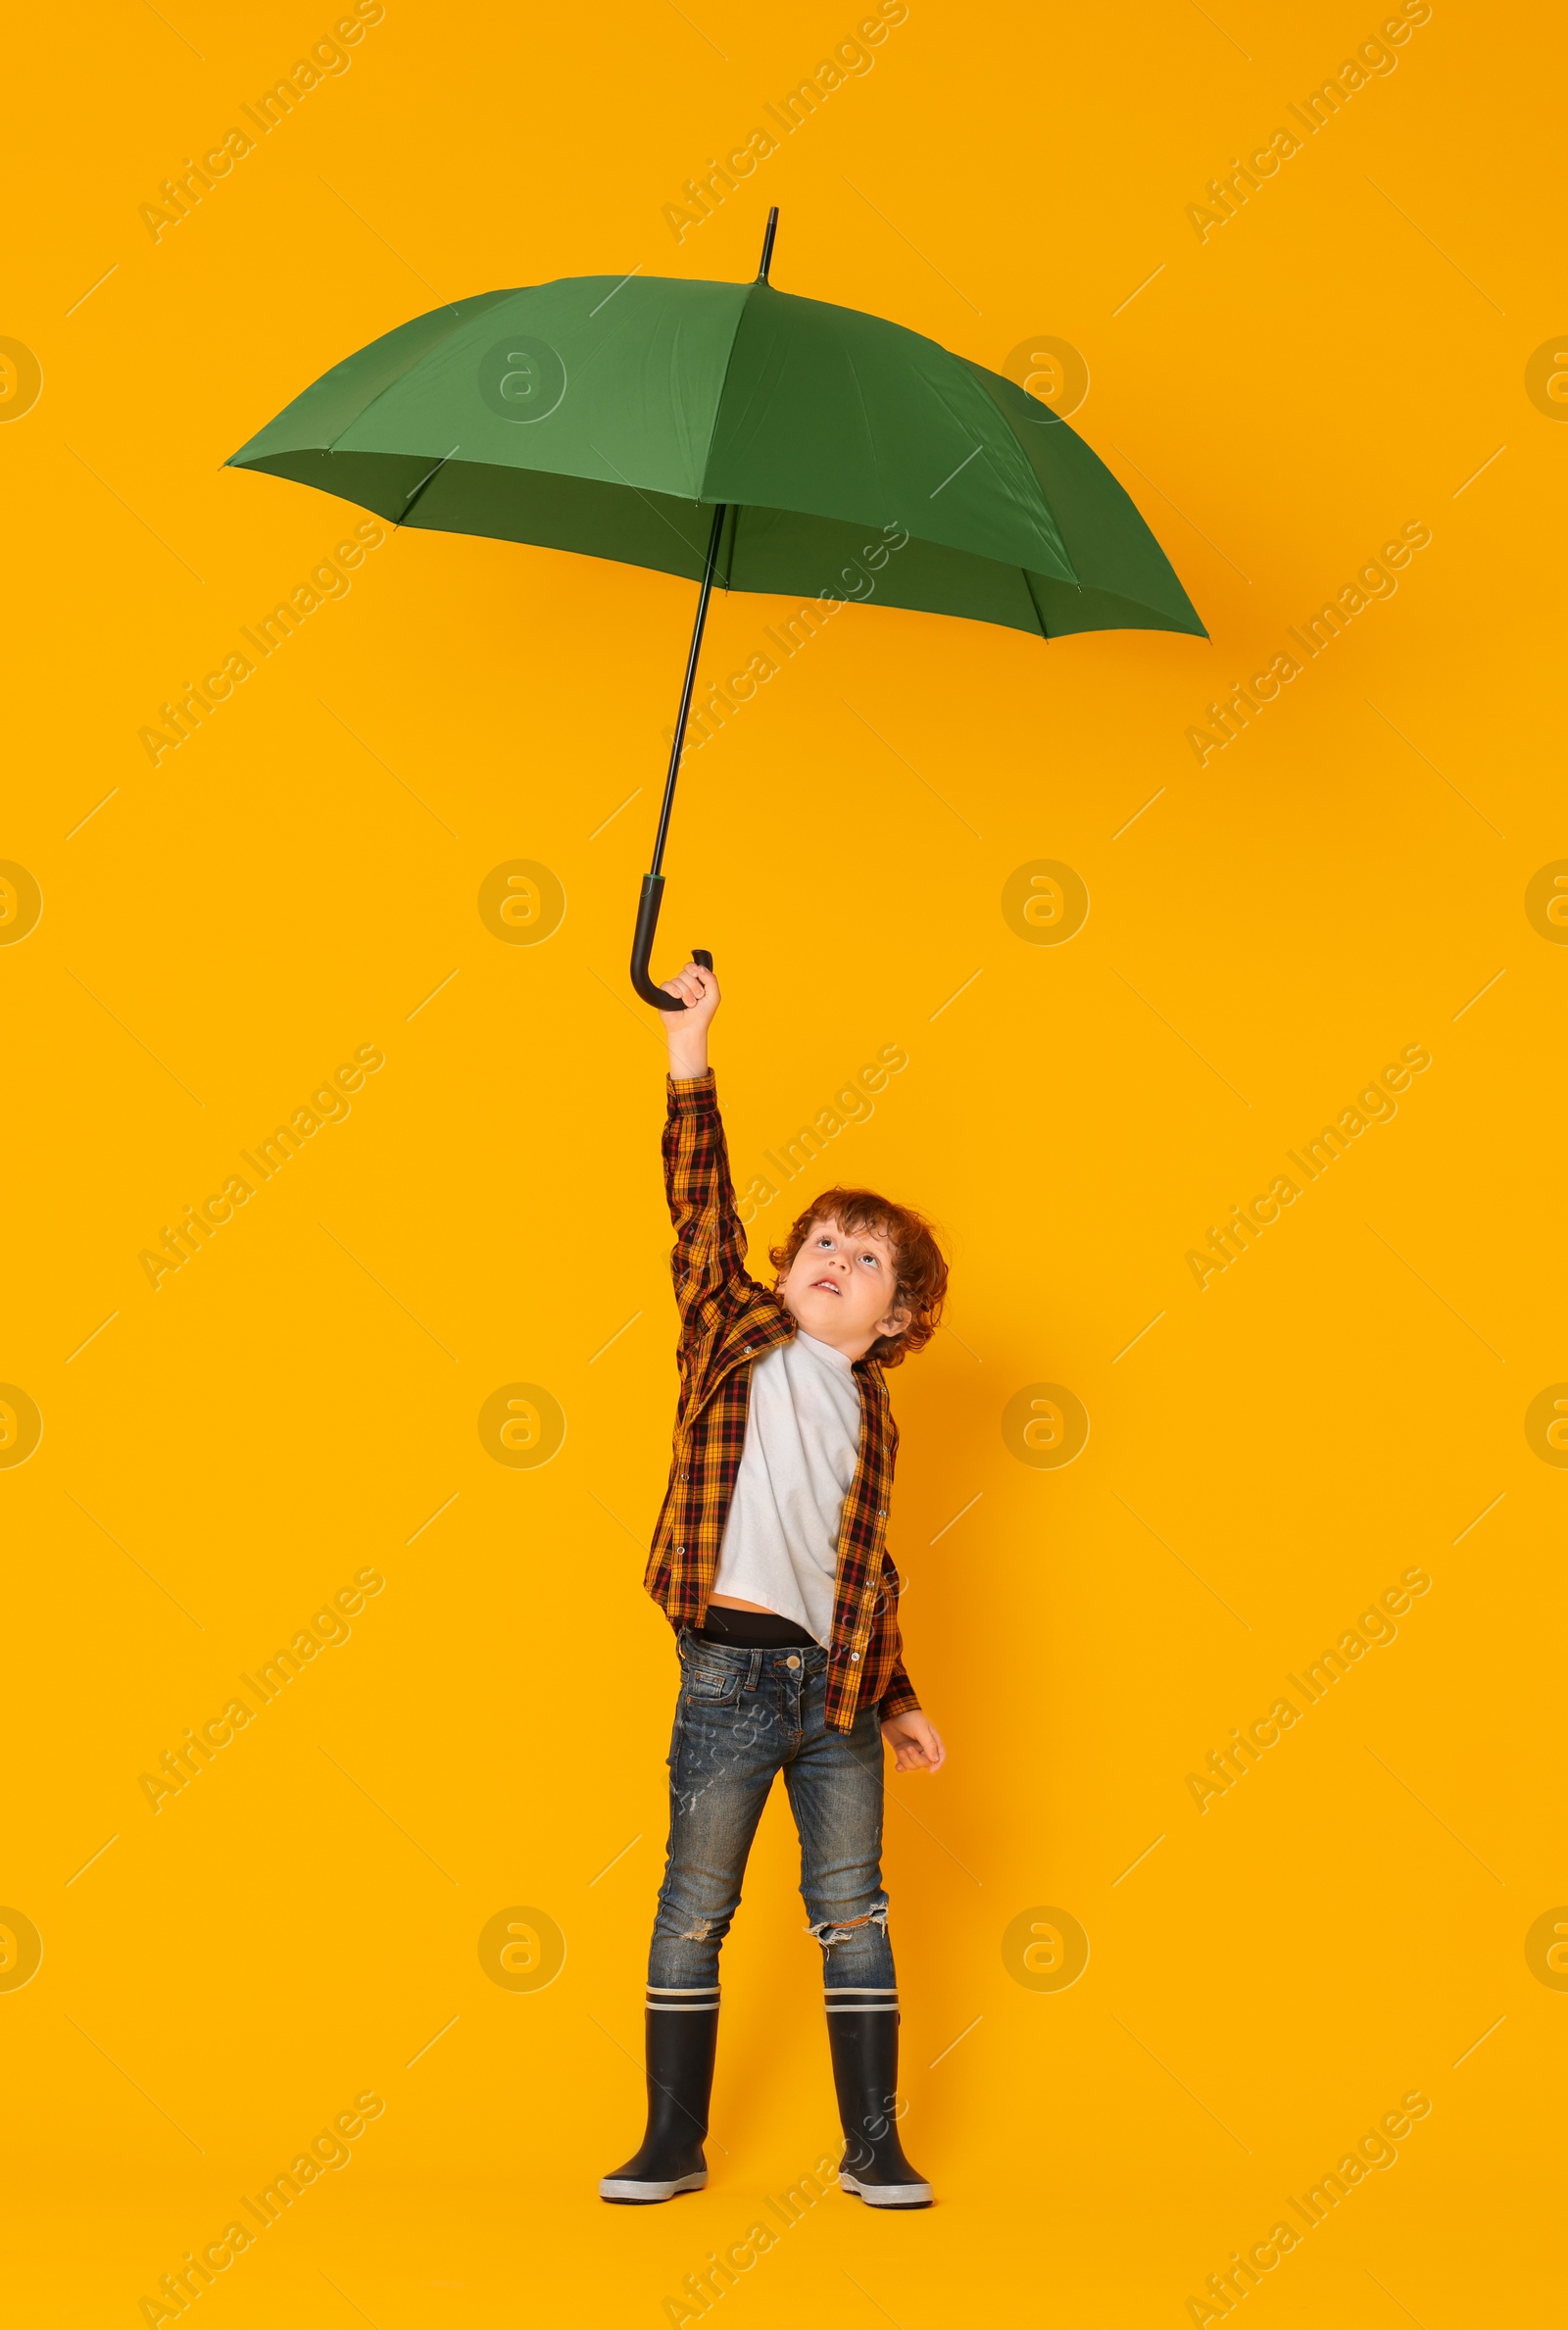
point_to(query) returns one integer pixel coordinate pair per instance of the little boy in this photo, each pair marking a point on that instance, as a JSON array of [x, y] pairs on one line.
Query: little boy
[[769, 1560]]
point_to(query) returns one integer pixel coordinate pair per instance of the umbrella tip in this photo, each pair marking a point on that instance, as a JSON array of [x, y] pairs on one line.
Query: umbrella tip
[[768, 244]]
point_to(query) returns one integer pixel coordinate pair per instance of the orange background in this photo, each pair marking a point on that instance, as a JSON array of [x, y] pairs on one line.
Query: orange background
[[1346, 355]]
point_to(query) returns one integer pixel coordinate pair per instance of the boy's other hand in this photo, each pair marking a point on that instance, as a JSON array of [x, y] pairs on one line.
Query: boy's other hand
[[686, 1032], [916, 1742]]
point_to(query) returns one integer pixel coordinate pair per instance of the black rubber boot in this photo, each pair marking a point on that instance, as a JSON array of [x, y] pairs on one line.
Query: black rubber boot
[[680, 2039], [866, 2073]]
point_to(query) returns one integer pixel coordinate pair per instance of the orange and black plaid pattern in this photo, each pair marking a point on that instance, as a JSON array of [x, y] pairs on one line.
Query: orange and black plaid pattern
[[726, 1321]]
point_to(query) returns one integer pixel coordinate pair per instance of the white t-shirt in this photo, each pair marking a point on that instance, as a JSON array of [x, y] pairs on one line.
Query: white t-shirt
[[803, 1442]]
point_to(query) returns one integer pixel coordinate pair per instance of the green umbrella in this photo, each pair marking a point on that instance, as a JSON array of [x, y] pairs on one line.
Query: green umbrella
[[734, 434]]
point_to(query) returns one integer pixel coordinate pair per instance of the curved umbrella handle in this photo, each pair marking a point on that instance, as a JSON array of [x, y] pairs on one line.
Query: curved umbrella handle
[[642, 947]]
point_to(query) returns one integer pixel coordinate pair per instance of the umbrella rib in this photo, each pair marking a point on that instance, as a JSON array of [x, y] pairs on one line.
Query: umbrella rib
[[719, 404], [1034, 601], [1008, 455], [424, 483], [642, 497]]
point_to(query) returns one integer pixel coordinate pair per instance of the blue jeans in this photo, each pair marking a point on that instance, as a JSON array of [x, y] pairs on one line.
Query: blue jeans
[[743, 1716]]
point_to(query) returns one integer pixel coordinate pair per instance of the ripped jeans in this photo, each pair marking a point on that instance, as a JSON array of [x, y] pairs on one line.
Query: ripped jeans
[[742, 1716]]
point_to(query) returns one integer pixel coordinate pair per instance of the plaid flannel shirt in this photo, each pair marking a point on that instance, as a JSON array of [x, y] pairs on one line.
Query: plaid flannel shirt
[[728, 1320]]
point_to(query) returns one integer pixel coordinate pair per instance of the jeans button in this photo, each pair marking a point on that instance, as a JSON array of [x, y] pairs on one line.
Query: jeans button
[[792, 1660]]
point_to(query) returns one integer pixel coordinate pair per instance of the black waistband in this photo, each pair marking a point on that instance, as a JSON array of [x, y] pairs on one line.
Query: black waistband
[[754, 1630]]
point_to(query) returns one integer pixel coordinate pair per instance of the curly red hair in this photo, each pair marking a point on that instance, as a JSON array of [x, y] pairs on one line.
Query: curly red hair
[[917, 1259]]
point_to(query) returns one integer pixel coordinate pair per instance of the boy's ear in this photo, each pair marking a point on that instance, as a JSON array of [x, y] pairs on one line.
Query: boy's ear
[[895, 1322]]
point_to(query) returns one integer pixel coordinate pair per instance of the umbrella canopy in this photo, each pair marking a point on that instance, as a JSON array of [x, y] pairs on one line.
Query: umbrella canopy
[[613, 417], [734, 434]]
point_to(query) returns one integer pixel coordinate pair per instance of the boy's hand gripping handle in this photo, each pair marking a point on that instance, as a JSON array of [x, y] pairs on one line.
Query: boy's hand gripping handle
[[642, 947]]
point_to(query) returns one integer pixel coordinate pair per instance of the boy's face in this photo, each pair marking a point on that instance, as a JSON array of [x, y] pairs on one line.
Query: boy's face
[[842, 1288]]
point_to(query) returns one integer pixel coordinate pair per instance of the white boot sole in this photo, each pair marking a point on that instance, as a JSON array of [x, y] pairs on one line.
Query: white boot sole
[[888, 2196], [626, 2188]]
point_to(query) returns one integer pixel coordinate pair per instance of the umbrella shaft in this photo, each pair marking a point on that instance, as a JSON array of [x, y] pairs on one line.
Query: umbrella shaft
[[686, 692]]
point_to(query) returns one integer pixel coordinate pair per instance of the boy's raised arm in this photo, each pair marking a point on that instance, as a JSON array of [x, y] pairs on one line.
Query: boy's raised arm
[[709, 1256]]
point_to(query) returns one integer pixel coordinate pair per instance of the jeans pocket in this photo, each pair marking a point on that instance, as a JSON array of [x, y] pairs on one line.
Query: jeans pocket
[[711, 1682]]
